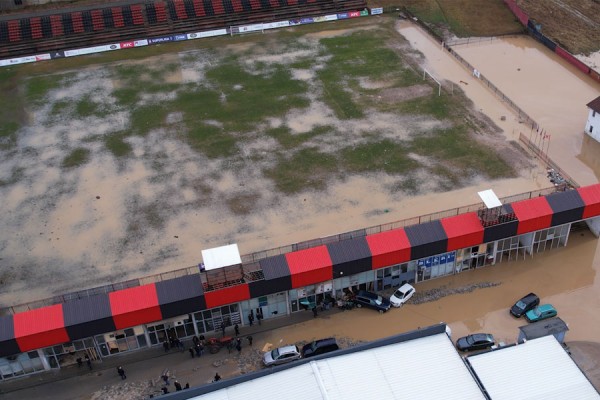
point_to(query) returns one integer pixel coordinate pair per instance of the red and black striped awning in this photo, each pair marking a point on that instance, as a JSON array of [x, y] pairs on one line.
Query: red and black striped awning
[[179, 296], [350, 257], [88, 316], [40, 328], [533, 214], [426, 239], [464, 230], [591, 198], [310, 266], [8, 343], [277, 277], [135, 306], [389, 248]]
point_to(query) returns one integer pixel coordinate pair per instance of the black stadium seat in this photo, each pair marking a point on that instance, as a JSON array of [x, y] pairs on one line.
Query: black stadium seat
[[189, 8], [25, 29], [127, 16], [3, 32], [46, 27], [68, 24], [108, 19], [172, 11], [151, 13], [86, 17]]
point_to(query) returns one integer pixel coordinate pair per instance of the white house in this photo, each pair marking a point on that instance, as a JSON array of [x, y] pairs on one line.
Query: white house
[[592, 126]]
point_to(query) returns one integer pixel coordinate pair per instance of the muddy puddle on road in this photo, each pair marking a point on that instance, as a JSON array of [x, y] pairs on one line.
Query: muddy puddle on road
[[564, 277]]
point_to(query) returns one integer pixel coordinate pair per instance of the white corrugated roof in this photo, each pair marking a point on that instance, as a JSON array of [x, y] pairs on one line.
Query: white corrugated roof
[[220, 257], [537, 369], [425, 368]]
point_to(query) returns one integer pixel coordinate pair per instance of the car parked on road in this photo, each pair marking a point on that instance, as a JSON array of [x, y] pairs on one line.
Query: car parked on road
[[476, 341], [320, 346], [525, 304], [281, 355], [402, 295], [539, 313], [373, 300]]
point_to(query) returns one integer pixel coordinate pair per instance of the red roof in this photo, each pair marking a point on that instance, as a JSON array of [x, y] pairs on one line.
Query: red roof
[[533, 214], [595, 104], [228, 295], [464, 230], [310, 266], [41, 327], [591, 198], [135, 306], [389, 248]]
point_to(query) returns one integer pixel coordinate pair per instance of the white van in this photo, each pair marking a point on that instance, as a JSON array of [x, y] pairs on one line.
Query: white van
[[402, 295]]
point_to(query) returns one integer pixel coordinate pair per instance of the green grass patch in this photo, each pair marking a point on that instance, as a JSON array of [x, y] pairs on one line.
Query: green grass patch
[[440, 107], [38, 87], [86, 108], [246, 99], [307, 169], [360, 55], [456, 148], [384, 156], [211, 141], [145, 118], [289, 140], [116, 145], [76, 158]]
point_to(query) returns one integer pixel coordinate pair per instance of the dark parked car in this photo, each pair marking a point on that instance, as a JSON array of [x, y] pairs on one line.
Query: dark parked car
[[527, 303], [373, 300], [320, 346], [476, 341]]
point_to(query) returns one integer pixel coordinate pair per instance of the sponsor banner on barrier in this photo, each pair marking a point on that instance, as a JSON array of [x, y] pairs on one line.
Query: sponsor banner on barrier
[[275, 25], [159, 40], [178, 38], [42, 57], [140, 43], [342, 16], [319, 19], [91, 50], [127, 45], [354, 14], [251, 28], [57, 54], [364, 13], [307, 20], [331, 17], [17, 60], [199, 35], [295, 22], [376, 10]]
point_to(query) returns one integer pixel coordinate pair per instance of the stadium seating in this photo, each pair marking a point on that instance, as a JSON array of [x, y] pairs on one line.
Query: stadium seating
[[61, 29]]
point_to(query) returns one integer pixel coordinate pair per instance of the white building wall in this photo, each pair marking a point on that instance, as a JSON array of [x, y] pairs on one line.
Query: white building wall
[[592, 126]]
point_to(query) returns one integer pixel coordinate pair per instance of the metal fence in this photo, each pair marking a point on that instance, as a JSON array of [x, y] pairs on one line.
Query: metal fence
[[257, 256]]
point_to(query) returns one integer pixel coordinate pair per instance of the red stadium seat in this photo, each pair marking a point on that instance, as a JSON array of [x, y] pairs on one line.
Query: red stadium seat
[[77, 22], [118, 17], [36, 27], [57, 26]]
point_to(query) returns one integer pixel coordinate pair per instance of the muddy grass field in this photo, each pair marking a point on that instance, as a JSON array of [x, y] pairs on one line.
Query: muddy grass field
[[114, 168]]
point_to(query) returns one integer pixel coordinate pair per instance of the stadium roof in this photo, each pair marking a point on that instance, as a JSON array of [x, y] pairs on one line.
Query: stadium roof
[[537, 369], [421, 364]]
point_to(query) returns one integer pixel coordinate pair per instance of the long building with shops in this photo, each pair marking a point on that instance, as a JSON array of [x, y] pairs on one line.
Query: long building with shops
[[107, 324]]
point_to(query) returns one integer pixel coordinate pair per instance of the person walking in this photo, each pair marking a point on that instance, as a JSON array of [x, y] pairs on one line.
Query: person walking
[[259, 315], [177, 385], [249, 338], [251, 318], [238, 345], [223, 329], [217, 377], [237, 330], [79, 362], [166, 345], [187, 385], [121, 372], [164, 390], [191, 350], [314, 310], [88, 362]]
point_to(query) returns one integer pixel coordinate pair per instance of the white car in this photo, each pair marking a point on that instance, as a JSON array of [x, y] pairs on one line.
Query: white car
[[402, 295], [281, 355]]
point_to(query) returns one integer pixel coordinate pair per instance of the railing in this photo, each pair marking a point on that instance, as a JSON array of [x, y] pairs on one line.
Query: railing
[[253, 258], [557, 172]]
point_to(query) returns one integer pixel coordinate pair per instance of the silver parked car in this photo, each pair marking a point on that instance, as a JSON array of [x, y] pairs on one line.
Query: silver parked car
[[281, 355]]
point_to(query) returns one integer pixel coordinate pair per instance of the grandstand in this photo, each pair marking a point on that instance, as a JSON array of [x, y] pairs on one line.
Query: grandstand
[[58, 29]]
